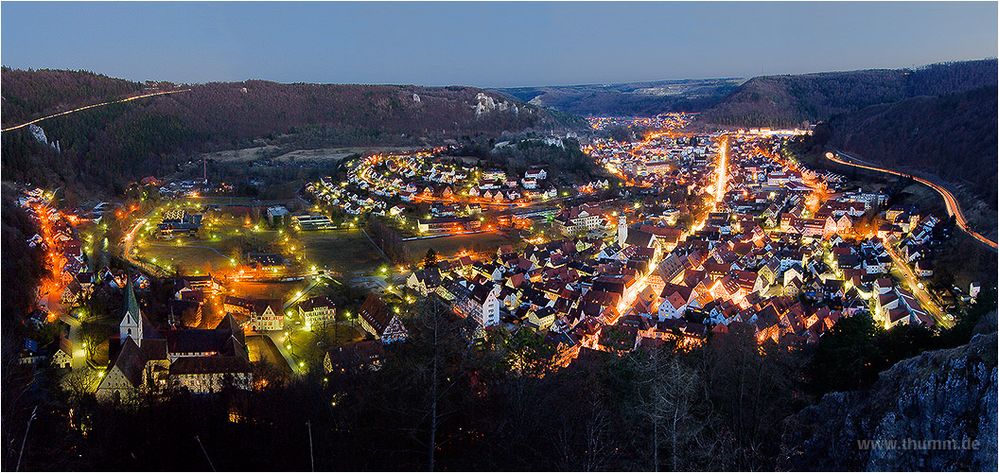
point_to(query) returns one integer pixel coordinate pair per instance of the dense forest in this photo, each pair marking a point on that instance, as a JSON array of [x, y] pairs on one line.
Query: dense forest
[[628, 99], [108, 146], [784, 100], [29, 94], [792, 100], [952, 136]]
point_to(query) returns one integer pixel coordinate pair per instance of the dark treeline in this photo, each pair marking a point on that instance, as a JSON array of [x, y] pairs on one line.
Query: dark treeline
[[21, 270], [29, 94], [793, 100], [950, 77], [440, 402], [387, 239]]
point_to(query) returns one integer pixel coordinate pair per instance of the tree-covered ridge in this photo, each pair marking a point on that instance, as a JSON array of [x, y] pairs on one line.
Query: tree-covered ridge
[[29, 94], [108, 146], [791, 100], [951, 77], [629, 99], [952, 136], [257, 108]]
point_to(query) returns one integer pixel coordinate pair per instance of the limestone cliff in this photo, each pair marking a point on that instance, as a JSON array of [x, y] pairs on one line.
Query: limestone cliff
[[924, 413]]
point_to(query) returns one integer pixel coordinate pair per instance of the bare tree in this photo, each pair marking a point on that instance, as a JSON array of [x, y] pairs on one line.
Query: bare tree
[[79, 384], [752, 386], [672, 399], [585, 440], [424, 373]]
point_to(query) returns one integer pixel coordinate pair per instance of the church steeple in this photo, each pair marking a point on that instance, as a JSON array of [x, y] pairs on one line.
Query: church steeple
[[131, 323], [622, 229]]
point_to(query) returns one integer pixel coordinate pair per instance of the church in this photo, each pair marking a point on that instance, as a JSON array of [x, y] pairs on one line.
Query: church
[[146, 360]]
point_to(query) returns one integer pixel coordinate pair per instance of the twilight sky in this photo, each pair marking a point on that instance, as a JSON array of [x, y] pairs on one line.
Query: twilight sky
[[488, 44]]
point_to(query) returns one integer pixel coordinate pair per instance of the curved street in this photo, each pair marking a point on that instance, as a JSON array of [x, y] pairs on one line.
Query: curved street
[[128, 242], [953, 207]]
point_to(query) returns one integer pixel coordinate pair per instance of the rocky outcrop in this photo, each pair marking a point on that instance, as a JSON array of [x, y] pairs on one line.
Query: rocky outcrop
[[936, 411], [486, 103]]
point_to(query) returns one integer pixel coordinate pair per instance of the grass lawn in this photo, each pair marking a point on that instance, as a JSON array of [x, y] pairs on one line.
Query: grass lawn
[[262, 349], [344, 251], [193, 257], [267, 290], [310, 347]]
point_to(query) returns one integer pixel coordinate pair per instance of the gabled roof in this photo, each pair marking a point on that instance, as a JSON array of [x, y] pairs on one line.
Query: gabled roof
[[356, 355], [317, 302], [639, 238], [670, 289], [259, 306], [225, 339], [131, 361], [480, 292], [375, 313]]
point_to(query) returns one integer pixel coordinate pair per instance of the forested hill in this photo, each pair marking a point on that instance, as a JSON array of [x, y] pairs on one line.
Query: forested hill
[[792, 100], [29, 94], [110, 145], [951, 136], [629, 99]]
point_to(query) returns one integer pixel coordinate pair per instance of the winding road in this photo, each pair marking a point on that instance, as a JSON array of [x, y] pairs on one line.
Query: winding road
[[953, 207], [96, 105], [128, 242]]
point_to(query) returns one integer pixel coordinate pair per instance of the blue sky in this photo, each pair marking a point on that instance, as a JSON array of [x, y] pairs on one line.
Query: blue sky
[[488, 44]]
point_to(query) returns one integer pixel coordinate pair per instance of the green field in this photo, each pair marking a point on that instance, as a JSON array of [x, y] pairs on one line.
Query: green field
[[452, 245], [192, 257], [344, 251]]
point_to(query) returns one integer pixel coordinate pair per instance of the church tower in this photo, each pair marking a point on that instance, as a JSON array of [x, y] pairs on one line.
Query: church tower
[[622, 229], [131, 323]]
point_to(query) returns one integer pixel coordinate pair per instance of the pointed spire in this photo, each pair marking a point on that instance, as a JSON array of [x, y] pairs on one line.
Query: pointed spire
[[131, 303]]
